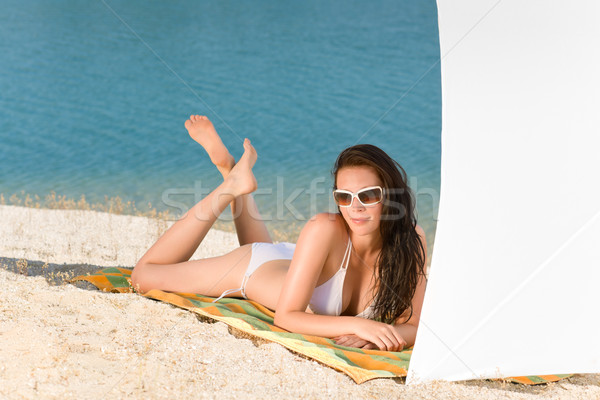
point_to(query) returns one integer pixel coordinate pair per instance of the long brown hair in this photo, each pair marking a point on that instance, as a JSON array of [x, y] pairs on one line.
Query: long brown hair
[[402, 258]]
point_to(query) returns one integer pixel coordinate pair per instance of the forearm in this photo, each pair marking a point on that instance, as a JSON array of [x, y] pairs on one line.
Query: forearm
[[408, 333], [315, 324]]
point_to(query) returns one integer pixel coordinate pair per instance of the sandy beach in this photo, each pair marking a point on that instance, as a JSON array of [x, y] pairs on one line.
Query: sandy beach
[[59, 340]]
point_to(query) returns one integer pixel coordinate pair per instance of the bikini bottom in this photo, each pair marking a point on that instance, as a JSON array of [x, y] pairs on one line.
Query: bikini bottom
[[262, 253]]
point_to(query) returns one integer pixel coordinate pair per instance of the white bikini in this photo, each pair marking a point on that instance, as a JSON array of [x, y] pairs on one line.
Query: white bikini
[[326, 298]]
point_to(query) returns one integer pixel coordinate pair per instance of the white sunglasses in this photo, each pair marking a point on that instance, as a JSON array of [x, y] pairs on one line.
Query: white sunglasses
[[367, 196]]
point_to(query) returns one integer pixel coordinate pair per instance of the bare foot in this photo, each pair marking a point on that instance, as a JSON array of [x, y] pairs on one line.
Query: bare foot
[[202, 131], [241, 180]]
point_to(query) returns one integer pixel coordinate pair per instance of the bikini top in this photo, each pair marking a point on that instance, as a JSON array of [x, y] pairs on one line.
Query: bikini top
[[327, 297]]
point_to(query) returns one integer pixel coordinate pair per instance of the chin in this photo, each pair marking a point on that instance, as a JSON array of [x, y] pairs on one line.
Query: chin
[[363, 228]]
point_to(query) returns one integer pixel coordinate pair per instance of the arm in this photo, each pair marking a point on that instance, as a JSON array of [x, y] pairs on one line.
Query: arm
[[311, 254], [406, 329], [312, 250], [407, 332]]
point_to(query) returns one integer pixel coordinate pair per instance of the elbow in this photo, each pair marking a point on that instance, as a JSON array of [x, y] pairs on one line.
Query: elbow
[[281, 320], [277, 319], [414, 324], [412, 321]]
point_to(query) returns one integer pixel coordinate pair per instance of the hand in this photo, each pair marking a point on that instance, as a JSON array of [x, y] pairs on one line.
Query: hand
[[382, 335], [353, 341]]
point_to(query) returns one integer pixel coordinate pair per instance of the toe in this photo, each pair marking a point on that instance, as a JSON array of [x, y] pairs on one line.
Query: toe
[[248, 148]]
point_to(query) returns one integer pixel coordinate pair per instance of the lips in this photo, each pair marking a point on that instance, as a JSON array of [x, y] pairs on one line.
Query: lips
[[359, 220]]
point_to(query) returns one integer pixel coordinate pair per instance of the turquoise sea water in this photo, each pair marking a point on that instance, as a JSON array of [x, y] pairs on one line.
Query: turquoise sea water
[[94, 95]]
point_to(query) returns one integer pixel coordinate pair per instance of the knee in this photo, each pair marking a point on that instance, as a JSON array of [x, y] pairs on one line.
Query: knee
[[141, 278]]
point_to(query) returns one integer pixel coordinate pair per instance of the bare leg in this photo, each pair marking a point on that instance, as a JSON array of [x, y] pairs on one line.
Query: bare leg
[[165, 265], [249, 225]]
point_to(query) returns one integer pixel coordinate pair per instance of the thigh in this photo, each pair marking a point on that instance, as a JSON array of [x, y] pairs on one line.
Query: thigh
[[209, 276]]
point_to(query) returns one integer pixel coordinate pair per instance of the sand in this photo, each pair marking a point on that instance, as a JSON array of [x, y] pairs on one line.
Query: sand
[[58, 340]]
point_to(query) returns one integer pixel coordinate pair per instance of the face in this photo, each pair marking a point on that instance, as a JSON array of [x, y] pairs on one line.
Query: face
[[362, 220]]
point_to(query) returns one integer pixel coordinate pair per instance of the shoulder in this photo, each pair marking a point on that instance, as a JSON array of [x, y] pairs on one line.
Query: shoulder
[[323, 228], [326, 223], [317, 239]]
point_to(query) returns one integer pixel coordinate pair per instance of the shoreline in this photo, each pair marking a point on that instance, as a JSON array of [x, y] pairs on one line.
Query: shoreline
[[90, 237], [71, 341], [280, 230]]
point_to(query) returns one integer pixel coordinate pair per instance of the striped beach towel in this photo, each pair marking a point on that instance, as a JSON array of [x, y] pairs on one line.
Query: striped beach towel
[[257, 320]]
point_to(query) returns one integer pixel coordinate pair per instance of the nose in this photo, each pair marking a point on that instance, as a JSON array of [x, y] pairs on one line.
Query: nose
[[356, 204]]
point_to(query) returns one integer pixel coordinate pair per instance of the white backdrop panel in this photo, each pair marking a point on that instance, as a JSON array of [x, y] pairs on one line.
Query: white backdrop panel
[[514, 287]]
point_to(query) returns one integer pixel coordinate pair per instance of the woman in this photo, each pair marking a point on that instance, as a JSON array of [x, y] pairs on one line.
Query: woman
[[357, 276]]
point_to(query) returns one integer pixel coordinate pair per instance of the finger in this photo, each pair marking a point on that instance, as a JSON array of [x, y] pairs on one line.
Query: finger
[[396, 344], [399, 339], [390, 336], [379, 343], [357, 342], [388, 342], [369, 346]]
